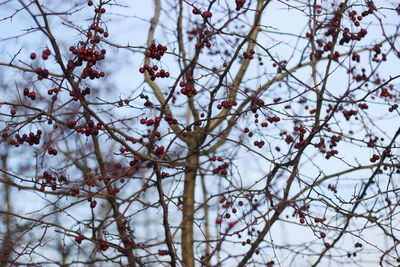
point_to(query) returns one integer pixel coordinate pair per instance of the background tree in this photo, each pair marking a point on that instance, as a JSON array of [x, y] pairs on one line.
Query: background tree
[[199, 133]]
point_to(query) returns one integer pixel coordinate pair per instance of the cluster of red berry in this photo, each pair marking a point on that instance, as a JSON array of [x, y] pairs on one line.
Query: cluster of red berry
[[258, 102], [361, 77], [385, 93], [300, 144], [187, 90], [259, 144], [52, 151], [103, 245], [348, 36], [150, 122], [204, 38], [289, 139], [42, 73], [331, 153], [378, 51], [46, 53], [227, 104], [94, 34], [54, 90], [374, 158], [356, 57], [50, 180], [281, 66], [170, 119], [160, 150], [156, 51], [273, 119], [348, 113], [89, 128], [363, 106], [79, 239], [153, 72], [247, 131], [249, 55], [31, 139], [135, 161], [332, 188], [335, 139], [239, 4], [221, 169], [31, 95], [75, 94], [89, 55], [205, 14]]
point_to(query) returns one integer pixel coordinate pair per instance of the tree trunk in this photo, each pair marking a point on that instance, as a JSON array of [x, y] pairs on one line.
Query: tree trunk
[[7, 248], [188, 210]]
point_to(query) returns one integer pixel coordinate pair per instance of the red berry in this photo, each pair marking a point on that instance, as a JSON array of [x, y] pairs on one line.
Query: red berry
[[79, 239], [93, 204], [33, 56]]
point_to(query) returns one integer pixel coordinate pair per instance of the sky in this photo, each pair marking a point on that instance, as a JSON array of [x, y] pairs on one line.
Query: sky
[[129, 26]]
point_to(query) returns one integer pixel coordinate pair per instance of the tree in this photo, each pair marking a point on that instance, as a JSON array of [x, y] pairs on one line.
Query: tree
[[200, 133]]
